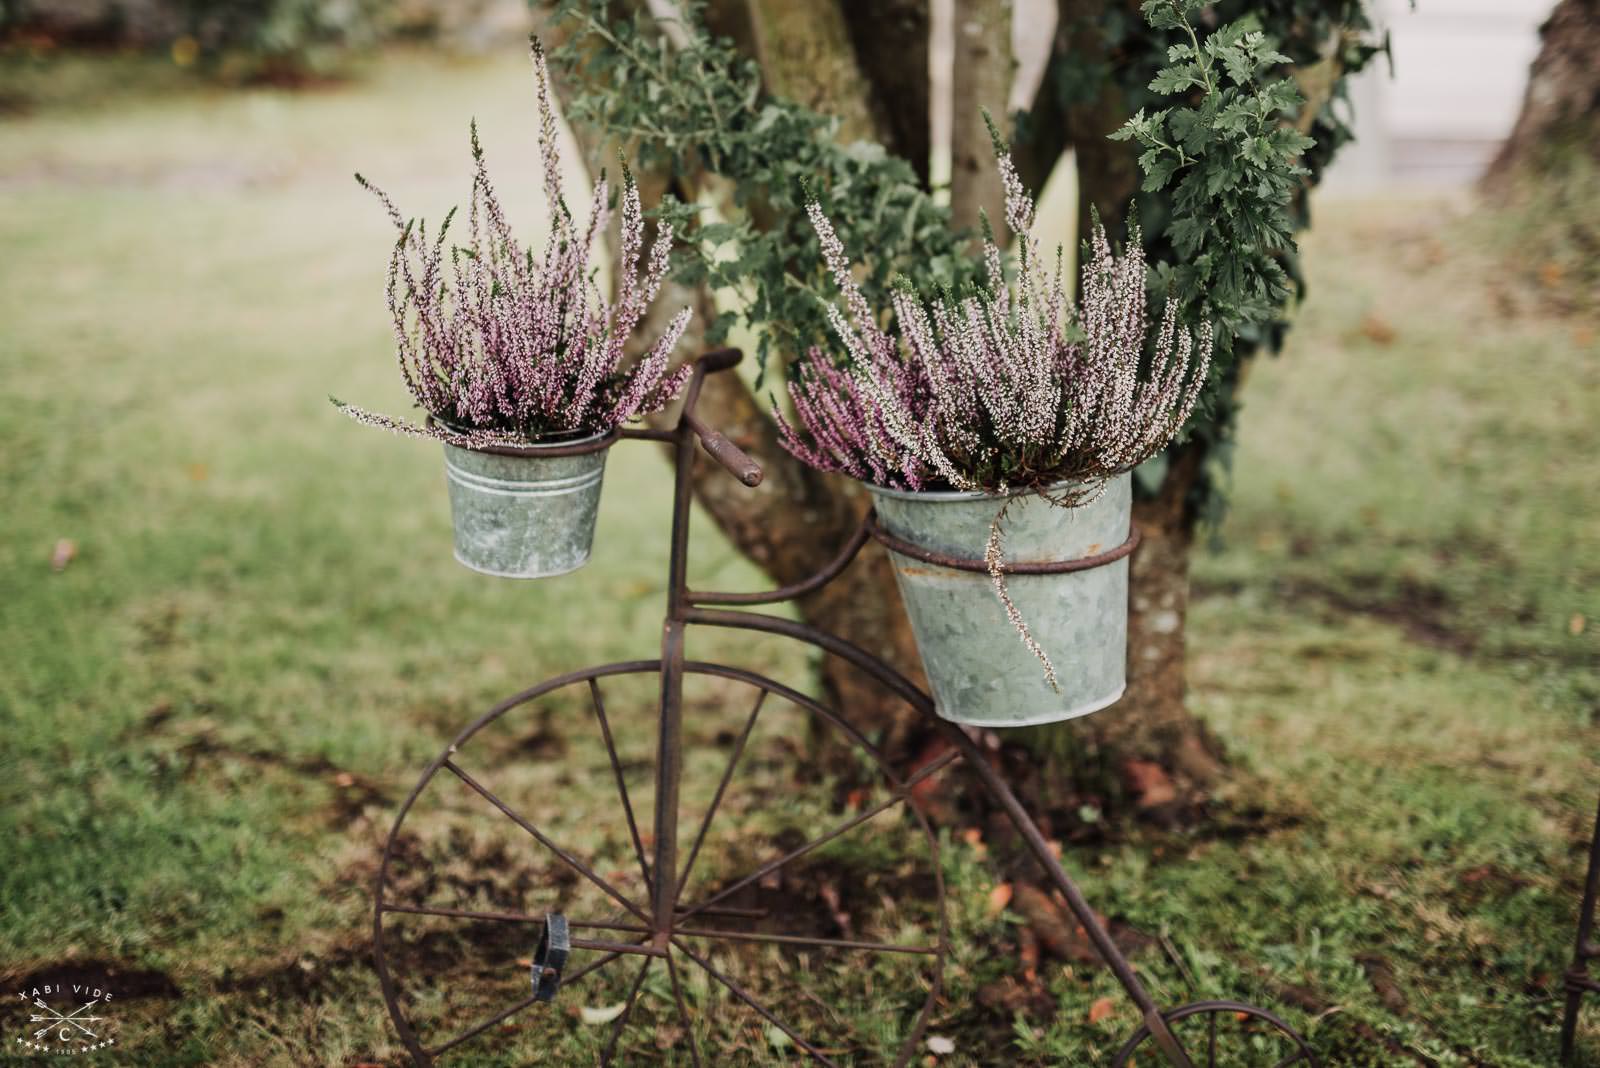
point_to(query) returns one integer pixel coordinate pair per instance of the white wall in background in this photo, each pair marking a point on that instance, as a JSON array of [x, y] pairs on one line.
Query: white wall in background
[[1460, 67]]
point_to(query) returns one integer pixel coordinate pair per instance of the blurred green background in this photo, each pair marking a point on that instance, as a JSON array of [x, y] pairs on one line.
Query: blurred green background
[[233, 632]]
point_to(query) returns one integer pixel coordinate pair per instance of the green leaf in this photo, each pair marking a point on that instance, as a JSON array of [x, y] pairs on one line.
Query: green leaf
[[1176, 79], [1157, 172]]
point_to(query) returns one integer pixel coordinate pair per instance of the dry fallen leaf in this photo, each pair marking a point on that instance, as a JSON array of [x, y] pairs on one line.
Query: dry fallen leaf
[[1102, 1008], [344, 780], [602, 1015], [1576, 624], [1149, 782], [1028, 954], [999, 898], [63, 554], [925, 795], [830, 894], [1376, 329]]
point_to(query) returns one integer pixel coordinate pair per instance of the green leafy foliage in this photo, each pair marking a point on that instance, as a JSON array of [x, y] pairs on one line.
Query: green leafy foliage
[[1220, 206], [1228, 159], [699, 105], [1323, 43]]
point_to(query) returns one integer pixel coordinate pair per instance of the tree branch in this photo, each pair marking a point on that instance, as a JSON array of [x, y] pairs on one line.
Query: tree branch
[[891, 45], [1041, 138], [1108, 173], [806, 53]]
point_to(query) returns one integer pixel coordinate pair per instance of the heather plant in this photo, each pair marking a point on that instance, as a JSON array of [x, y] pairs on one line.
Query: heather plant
[[501, 347], [1006, 387]]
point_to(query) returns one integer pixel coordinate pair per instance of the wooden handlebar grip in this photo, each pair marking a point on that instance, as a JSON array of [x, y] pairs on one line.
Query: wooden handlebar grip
[[732, 457], [720, 360]]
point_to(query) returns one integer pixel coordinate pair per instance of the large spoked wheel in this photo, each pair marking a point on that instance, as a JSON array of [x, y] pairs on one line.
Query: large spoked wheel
[[1222, 1034], [809, 917]]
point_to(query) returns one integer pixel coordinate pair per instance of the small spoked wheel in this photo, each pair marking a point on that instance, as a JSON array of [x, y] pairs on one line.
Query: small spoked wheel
[[1220, 1034], [519, 916]]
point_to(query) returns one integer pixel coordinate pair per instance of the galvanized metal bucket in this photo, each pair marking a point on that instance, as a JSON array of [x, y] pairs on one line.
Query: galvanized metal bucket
[[523, 513], [980, 670]]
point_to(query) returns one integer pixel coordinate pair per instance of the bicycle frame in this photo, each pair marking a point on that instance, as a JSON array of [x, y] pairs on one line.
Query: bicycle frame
[[686, 607]]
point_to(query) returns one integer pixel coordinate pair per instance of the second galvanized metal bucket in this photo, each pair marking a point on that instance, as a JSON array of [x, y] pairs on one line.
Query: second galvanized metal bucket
[[527, 512], [980, 671]]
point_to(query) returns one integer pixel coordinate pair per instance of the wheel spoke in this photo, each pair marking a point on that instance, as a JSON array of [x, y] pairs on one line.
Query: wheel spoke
[[683, 1010], [627, 1010], [807, 940], [622, 786], [474, 1032], [506, 1014], [900, 794], [573, 862], [765, 1013], [635, 949], [1211, 1046], [592, 966], [512, 917], [729, 910], [722, 786]]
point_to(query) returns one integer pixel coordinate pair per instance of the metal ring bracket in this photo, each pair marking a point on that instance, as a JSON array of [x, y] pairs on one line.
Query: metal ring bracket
[[1019, 567], [551, 451]]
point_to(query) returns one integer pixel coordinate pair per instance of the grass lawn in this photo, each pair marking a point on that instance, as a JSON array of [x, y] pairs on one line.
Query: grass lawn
[[211, 710]]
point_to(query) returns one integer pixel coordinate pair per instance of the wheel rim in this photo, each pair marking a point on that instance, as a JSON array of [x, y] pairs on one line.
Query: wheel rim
[[1214, 1034], [715, 934]]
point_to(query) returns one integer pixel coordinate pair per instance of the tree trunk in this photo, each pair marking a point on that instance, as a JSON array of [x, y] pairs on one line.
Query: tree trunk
[[890, 38], [1561, 108], [1147, 750], [981, 79], [795, 522], [805, 50], [1152, 725]]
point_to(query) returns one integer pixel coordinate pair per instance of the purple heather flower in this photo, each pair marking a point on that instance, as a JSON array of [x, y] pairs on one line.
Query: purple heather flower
[[1010, 386], [503, 345]]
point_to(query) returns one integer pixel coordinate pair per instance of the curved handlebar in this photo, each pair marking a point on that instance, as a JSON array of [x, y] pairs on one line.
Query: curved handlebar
[[719, 360], [730, 456]]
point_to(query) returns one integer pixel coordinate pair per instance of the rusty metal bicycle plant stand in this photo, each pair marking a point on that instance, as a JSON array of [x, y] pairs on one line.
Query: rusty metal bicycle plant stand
[[662, 927], [1578, 981]]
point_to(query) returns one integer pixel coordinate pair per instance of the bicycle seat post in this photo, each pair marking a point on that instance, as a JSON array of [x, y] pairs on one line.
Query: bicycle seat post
[[669, 771]]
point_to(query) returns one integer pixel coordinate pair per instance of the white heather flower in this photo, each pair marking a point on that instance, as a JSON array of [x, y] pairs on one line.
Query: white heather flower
[[1005, 386], [512, 347]]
